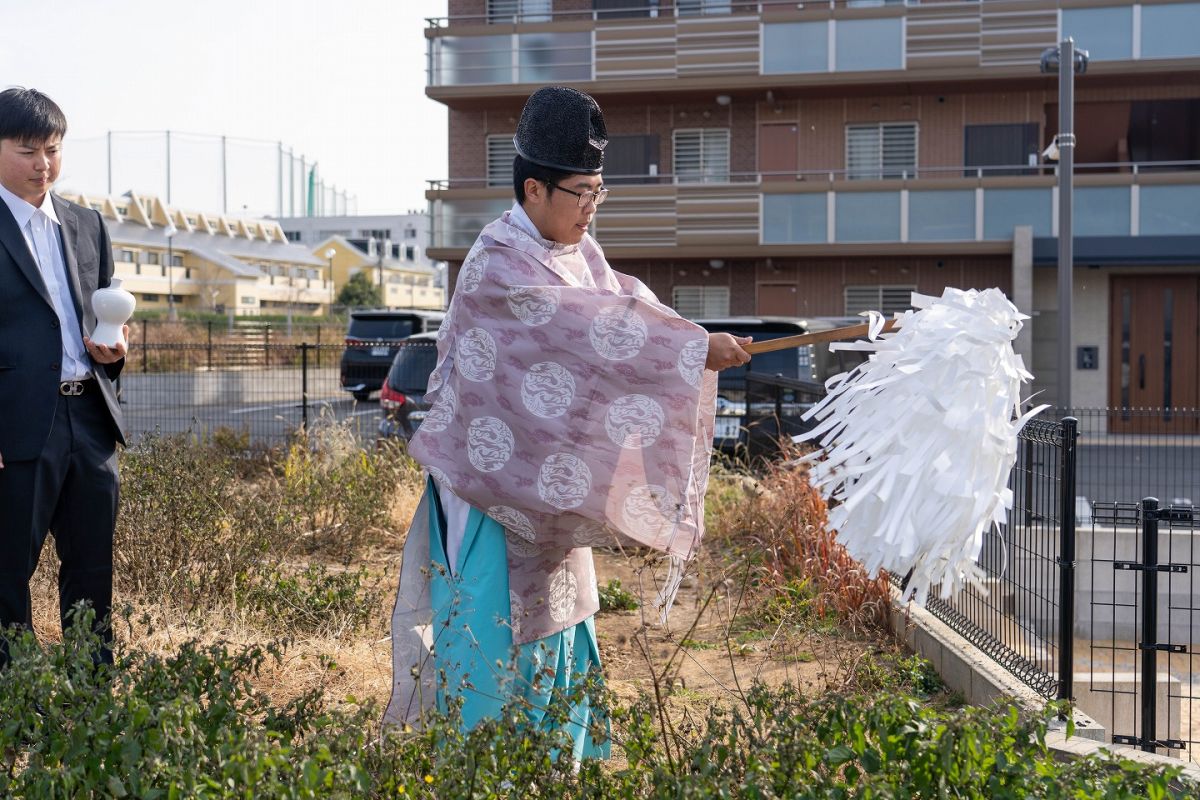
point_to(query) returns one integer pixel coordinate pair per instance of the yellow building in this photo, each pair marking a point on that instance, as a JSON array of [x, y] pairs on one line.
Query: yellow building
[[209, 262], [405, 284]]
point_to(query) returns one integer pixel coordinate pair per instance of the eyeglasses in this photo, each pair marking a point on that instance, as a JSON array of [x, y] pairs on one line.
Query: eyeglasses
[[585, 198]]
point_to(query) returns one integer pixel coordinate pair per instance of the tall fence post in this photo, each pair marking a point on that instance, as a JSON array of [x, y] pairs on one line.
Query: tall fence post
[[1149, 643], [145, 343], [208, 362], [304, 384], [267, 345], [1066, 561]]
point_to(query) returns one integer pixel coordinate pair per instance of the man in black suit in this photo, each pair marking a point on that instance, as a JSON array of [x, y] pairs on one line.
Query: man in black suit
[[59, 417]]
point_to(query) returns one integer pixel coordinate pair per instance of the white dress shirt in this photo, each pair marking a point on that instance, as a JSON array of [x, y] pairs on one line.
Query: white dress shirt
[[42, 231]]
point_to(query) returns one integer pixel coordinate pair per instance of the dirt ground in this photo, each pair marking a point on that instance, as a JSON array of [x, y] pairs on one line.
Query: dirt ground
[[716, 642]]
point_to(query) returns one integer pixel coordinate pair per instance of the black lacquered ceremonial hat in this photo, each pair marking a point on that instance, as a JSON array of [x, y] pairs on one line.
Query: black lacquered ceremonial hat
[[562, 129]]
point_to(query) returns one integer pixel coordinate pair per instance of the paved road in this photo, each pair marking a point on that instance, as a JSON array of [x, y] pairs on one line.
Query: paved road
[[266, 404]]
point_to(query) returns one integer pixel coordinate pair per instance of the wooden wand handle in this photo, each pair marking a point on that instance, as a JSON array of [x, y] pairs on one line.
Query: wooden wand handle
[[836, 334]]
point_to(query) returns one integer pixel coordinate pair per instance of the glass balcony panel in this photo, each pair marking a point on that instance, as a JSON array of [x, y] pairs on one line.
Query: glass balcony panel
[[941, 216], [1170, 31], [458, 222], [794, 218], [868, 217], [870, 44], [1106, 33], [795, 47], [1005, 209], [548, 57], [472, 59], [1101, 211], [1169, 211]]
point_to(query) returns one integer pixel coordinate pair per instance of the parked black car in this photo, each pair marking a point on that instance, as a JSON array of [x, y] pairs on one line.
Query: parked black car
[[402, 396], [371, 343], [800, 371]]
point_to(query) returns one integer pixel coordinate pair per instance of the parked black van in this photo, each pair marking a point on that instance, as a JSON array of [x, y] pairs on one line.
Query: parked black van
[[801, 373], [371, 343]]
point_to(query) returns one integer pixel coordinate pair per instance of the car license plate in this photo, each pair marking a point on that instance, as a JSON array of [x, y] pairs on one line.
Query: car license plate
[[381, 350], [727, 427], [416, 416]]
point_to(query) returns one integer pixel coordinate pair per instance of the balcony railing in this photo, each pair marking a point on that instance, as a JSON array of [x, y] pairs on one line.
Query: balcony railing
[[643, 42], [938, 204]]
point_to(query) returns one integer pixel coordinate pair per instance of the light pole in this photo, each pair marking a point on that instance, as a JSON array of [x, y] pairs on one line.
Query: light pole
[[329, 254], [170, 231], [1066, 60]]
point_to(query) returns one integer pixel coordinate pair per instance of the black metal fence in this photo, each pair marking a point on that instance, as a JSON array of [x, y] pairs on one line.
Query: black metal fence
[[263, 391], [1139, 583], [1022, 614], [773, 409], [1139, 478]]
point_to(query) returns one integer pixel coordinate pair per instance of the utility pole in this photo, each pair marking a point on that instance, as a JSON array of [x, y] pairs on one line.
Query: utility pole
[[1066, 60]]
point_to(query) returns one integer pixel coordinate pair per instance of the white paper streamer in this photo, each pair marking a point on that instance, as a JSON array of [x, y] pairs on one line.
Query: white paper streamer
[[918, 441]]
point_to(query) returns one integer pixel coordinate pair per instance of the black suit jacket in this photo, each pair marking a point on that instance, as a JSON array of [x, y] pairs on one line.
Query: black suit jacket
[[30, 341]]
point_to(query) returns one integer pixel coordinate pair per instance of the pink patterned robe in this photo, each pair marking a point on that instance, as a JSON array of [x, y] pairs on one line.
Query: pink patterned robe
[[572, 407]]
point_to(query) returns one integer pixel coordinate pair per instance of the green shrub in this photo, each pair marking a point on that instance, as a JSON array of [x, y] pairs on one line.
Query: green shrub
[[318, 601], [336, 494], [189, 530], [190, 725], [613, 597]]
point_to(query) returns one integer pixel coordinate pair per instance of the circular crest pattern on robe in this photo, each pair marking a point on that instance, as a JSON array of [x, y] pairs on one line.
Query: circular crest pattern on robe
[[564, 588], [650, 508], [489, 444], [439, 416], [564, 481], [472, 270], [548, 389], [634, 421], [617, 334], [477, 355], [691, 361], [533, 305]]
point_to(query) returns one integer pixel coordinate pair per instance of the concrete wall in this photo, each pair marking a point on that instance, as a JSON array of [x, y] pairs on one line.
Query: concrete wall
[[1090, 323]]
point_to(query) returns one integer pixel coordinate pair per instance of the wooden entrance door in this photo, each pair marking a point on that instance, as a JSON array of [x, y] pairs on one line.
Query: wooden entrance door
[[779, 150], [1154, 364], [778, 300]]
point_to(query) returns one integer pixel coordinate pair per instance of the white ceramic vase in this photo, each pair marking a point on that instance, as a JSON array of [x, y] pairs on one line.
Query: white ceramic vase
[[113, 307]]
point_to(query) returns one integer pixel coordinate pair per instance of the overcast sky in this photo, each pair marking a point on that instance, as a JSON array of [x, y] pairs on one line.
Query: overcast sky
[[341, 81]]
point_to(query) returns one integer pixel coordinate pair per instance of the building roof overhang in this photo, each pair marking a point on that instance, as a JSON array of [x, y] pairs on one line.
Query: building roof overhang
[[1108, 251]]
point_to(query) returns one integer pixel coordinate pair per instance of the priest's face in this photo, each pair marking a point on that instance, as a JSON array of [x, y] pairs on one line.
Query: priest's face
[[556, 211]]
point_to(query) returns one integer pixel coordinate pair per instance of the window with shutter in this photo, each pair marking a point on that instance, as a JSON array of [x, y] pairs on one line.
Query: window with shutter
[[700, 302], [885, 299], [500, 155], [884, 150], [701, 155], [502, 11]]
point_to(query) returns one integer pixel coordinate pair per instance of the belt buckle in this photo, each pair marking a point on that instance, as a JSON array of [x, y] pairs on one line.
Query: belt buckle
[[70, 388]]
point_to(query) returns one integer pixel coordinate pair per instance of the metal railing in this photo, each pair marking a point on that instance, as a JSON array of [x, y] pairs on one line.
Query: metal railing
[[1133, 168], [1140, 583], [262, 391], [1139, 480], [664, 9], [1023, 614]]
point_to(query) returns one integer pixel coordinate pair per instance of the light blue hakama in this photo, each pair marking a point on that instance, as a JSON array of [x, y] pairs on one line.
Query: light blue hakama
[[474, 656]]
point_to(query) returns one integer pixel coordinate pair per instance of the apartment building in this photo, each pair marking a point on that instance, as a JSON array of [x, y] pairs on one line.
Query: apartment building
[[200, 261], [820, 159]]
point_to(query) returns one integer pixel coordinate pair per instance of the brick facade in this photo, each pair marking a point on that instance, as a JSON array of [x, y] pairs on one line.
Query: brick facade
[[820, 282], [821, 123]]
